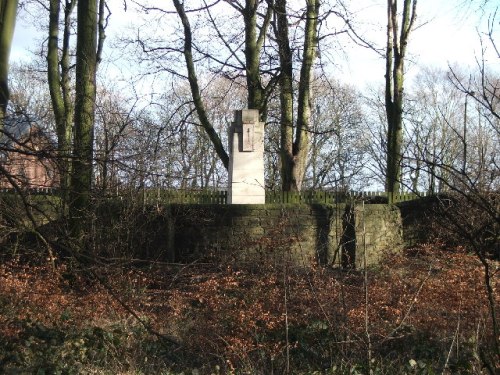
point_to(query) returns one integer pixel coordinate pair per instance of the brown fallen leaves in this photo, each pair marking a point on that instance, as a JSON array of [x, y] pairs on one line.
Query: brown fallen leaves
[[235, 315]]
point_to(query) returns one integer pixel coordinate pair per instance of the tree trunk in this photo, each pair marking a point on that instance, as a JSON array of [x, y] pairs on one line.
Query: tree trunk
[[394, 85], [8, 9], [59, 87], [294, 152], [85, 93], [257, 98], [286, 97], [301, 144], [195, 89]]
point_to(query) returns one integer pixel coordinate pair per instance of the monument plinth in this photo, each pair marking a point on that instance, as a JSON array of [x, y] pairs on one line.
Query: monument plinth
[[246, 158]]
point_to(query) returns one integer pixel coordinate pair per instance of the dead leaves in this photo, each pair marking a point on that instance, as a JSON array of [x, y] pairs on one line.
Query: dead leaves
[[241, 314]]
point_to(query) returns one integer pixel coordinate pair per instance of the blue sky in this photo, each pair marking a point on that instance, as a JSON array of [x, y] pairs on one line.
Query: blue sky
[[448, 34]]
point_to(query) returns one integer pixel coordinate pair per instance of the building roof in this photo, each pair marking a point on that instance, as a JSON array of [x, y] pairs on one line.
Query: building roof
[[17, 127]]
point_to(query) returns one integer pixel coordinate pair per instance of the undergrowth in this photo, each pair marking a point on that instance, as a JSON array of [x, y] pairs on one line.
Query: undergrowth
[[427, 313]]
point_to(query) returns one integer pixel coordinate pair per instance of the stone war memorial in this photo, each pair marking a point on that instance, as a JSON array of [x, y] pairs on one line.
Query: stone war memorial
[[347, 232], [246, 159], [340, 234]]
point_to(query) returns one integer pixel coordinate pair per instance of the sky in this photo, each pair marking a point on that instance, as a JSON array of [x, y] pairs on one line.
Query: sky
[[448, 33]]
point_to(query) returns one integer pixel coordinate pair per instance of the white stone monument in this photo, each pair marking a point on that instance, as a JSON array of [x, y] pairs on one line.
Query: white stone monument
[[246, 158]]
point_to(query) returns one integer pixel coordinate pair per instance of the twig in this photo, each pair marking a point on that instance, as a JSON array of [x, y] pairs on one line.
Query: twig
[[413, 300], [455, 337]]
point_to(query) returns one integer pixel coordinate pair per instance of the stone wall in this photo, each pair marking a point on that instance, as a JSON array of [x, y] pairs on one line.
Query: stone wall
[[301, 234], [421, 220], [371, 232]]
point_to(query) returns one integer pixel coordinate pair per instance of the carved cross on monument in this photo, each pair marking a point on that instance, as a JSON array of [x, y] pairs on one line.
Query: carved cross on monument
[[246, 158]]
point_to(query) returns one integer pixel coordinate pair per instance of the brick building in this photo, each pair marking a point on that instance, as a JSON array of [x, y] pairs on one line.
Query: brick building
[[27, 155]]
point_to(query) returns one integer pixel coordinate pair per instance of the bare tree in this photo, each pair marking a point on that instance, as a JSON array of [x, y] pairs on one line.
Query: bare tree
[[256, 44], [397, 42], [8, 13], [60, 86], [435, 127], [193, 82], [85, 95], [294, 147], [471, 209], [337, 152]]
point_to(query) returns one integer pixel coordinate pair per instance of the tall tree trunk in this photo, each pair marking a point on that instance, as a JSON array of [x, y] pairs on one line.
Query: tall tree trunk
[[254, 40], [397, 42], [257, 96], [195, 89], [59, 87], [294, 152], [301, 144], [8, 10], [286, 96], [85, 93]]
